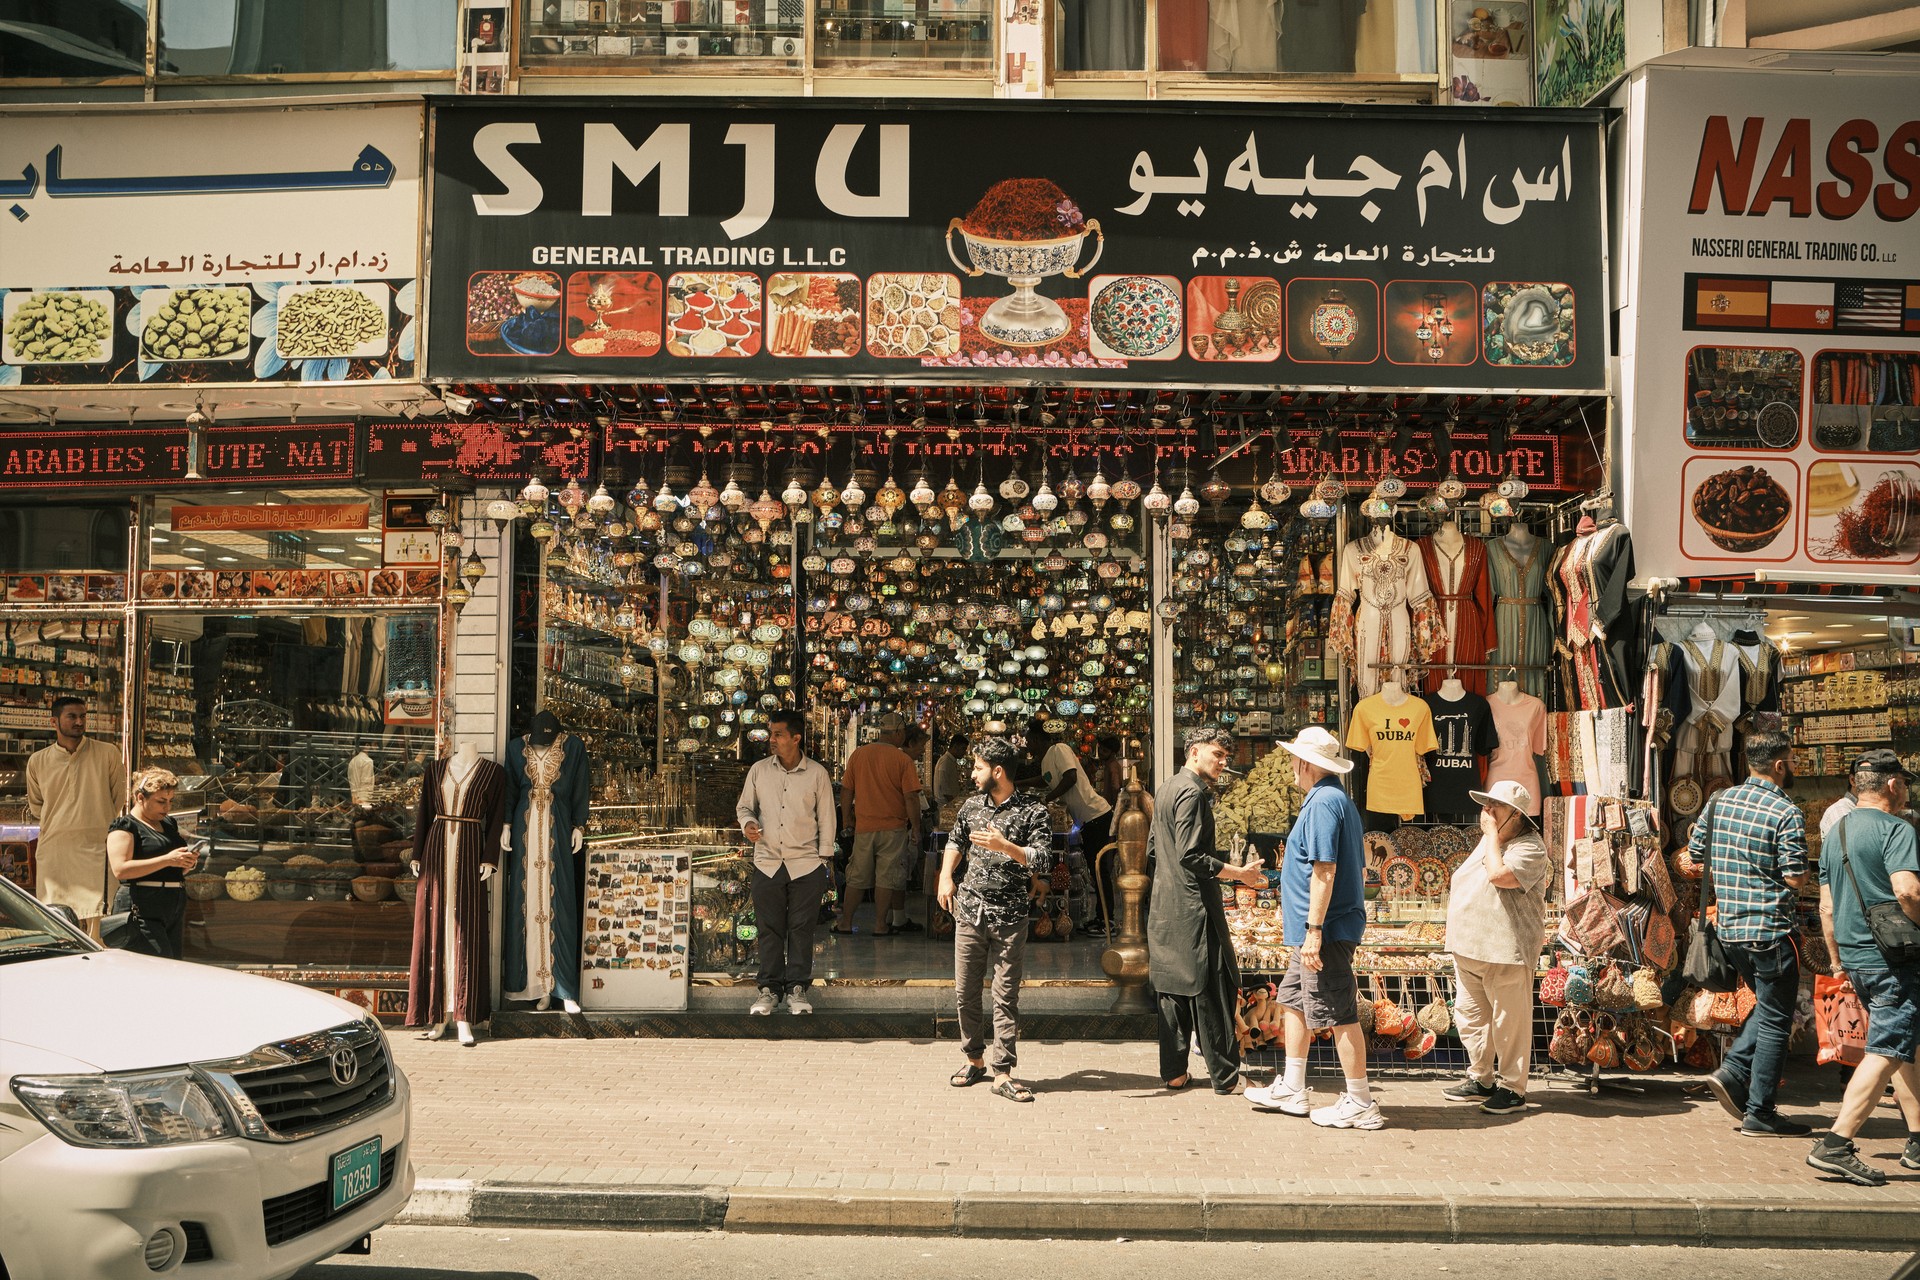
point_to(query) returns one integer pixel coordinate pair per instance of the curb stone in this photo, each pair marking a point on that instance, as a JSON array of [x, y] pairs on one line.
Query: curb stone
[[1435, 1220]]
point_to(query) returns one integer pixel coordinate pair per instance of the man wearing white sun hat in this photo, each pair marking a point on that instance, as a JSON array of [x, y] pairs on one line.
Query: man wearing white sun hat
[[1323, 912], [1496, 923]]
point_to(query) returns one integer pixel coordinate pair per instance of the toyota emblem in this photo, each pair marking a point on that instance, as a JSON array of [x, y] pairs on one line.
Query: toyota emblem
[[345, 1065]]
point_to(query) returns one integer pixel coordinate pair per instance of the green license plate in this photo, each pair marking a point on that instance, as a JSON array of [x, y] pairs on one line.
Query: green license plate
[[356, 1174]]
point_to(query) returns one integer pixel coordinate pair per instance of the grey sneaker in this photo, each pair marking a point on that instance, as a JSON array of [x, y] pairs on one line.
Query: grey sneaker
[[1910, 1158], [764, 1005], [1839, 1156], [797, 1001], [1468, 1091], [1771, 1124], [1503, 1101]]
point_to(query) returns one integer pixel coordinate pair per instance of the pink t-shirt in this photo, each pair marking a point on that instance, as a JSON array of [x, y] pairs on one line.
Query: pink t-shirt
[[1522, 728]]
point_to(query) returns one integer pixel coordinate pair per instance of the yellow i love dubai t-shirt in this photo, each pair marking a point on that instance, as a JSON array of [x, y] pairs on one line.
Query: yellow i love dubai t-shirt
[[1394, 739]]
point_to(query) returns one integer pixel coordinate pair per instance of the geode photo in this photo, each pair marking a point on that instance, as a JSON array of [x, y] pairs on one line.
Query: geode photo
[[1528, 324]]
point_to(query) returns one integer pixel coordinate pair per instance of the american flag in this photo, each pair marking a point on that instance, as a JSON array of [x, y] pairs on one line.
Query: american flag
[[1867, 306]]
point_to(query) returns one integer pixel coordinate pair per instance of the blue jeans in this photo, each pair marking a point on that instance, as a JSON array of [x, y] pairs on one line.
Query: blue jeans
[[1772, 969]]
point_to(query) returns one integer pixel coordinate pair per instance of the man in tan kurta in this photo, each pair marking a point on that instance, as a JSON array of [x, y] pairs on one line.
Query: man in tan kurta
[[73, 791]]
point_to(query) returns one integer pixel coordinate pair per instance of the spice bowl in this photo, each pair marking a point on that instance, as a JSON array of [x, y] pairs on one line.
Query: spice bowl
[[372, 888]]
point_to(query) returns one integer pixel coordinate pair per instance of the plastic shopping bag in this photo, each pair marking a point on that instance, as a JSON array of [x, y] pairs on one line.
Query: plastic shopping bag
[[1840, 1020]]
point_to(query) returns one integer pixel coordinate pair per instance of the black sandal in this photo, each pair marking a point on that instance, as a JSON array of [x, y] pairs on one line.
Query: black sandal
[[837, 929], [1183, 1083], [1012, 1090], [967, 1075]]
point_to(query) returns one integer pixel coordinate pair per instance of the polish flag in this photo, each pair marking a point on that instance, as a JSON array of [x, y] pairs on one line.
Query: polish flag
[[1801, 304]]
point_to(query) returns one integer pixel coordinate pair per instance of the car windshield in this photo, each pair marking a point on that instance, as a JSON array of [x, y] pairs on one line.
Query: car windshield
[[28, 929]]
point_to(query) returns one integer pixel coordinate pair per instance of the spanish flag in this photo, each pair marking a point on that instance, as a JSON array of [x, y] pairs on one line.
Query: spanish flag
[[1729, 303]]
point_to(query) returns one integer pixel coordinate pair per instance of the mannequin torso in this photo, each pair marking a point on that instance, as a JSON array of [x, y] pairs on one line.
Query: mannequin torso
[[1452, 690]]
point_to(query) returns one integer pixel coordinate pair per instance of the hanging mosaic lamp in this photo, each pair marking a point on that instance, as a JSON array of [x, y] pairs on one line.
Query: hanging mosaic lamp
[[640, 496], [1255, 516], [1157, 502], [733, 497], [1186, 506], [1044, 499], [766, 508], [703, 496], [1098, 490], [1334, 324], [533, 498], [601, 503], [474, 569], [503, 511], [853, 495], [1216, 491], [1071, 489], [1453, 488], [891, 497], [573, 497], [825, 496], [664, 501], [923, 495], [980, 501], [1513, 488]]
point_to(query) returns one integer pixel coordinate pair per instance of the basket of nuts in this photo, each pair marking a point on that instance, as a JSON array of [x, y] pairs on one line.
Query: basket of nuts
[[1742, 509]]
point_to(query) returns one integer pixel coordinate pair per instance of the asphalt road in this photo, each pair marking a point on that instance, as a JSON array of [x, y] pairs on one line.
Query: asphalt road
[[447, 1253]]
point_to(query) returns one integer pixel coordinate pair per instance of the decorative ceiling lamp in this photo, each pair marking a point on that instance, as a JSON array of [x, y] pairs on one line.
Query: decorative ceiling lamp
[[601, 503], [922, 497], [1186, 506], [503, 512], [533, 498], [1255, 516], [1275, 490], [1216, 491], [573, 497], [1334, 324], [1513, 488], [1098, 490], [1156, 502]]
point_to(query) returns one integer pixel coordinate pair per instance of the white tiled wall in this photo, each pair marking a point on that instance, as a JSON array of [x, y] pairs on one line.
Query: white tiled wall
[[480, 645]]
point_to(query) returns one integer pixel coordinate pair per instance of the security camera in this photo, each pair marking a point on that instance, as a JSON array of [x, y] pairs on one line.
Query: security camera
[[459, 404]]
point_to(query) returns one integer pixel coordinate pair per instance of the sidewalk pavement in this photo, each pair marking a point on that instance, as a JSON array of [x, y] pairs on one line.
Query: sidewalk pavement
[[796, 1135]]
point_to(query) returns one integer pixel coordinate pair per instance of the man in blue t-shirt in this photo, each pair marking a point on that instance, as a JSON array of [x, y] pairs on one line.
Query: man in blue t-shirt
[[1871, 858], [1323, 912]]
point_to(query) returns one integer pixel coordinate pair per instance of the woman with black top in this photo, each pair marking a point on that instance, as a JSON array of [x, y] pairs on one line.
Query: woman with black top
[[146, 851]]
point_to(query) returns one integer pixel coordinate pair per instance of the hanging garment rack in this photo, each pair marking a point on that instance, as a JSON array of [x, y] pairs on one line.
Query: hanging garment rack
[[1416, 665]]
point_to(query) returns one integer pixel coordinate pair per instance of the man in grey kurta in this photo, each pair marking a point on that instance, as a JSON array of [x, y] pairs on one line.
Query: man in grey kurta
[[1189, 954]]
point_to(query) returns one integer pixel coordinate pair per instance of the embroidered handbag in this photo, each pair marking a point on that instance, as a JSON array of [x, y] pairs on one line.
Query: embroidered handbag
[[1604, 1052], [1419, 1044], [1643, 1051], [1434, 1015], [1694, 1008], [1579, 985], [1062, 921], [1564, 1047], [1703, 1053], [1389, 1019], [1553, 987], [1658, 947], [1042, 925], [1612, 989], [1062, 879], [1727, 1011], [1593, 921], [1646, 989]]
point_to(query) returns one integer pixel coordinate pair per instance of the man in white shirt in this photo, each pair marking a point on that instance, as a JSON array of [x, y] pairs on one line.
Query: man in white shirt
[[1063, 777], [786, 810], [952, 779], [74, 789]]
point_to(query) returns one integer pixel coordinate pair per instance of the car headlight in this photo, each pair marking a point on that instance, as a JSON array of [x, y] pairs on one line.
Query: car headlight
[[132, 1109]]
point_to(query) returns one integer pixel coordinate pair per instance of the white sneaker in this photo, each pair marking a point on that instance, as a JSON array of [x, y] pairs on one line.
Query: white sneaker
[[797, 1002], [764, 1005], [1277, 1097], [1349, 1113]]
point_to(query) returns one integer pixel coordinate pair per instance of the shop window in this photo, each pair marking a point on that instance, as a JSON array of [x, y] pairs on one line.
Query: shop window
[[46, 39], [1297, 37], [1100, 35], [932, 35], [678, 35], [300, 742], [296, 38]]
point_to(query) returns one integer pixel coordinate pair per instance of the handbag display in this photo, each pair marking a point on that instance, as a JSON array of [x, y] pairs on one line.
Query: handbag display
[[1579, 984], [1897, 937], [1646, 989], [1389, 1019], [1604, 1052], [1564, 1047], [1706, 964], [1553, 987]]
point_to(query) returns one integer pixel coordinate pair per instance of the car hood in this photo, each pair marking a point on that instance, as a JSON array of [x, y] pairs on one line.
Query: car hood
[[117, 1011]]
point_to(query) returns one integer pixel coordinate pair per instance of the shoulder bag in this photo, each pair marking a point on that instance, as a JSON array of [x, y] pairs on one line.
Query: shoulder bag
[[1897, 937], [1706, 964]]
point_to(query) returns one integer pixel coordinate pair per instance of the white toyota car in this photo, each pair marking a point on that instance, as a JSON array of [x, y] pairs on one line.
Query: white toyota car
[[169, 1119]]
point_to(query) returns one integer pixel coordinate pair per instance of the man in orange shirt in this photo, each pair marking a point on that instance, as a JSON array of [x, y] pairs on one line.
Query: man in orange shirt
[[880, 803]]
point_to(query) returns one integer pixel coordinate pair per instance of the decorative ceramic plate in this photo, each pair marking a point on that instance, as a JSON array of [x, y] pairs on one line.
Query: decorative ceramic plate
[[1433, 877], [1779, 424], [1447, 842], [1400, 875], [1410, 842], [1137, 316]]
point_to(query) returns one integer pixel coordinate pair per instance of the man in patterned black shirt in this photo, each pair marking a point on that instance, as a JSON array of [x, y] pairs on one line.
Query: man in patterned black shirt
[[1007, 840]]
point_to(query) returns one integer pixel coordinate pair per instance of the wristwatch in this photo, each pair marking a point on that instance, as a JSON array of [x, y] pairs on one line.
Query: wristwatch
[[1313, 928]]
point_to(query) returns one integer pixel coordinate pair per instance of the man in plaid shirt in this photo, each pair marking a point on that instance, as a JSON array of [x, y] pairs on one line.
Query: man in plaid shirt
[[1758, 861]]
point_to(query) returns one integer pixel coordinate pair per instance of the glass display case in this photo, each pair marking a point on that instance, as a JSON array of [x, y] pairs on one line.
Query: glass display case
[[1298, 37], [933, 35], [677, 36]]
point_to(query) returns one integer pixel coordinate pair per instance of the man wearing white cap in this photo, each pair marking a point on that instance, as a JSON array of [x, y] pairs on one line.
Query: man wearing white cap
[[1496, 923], [1323, 912]]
